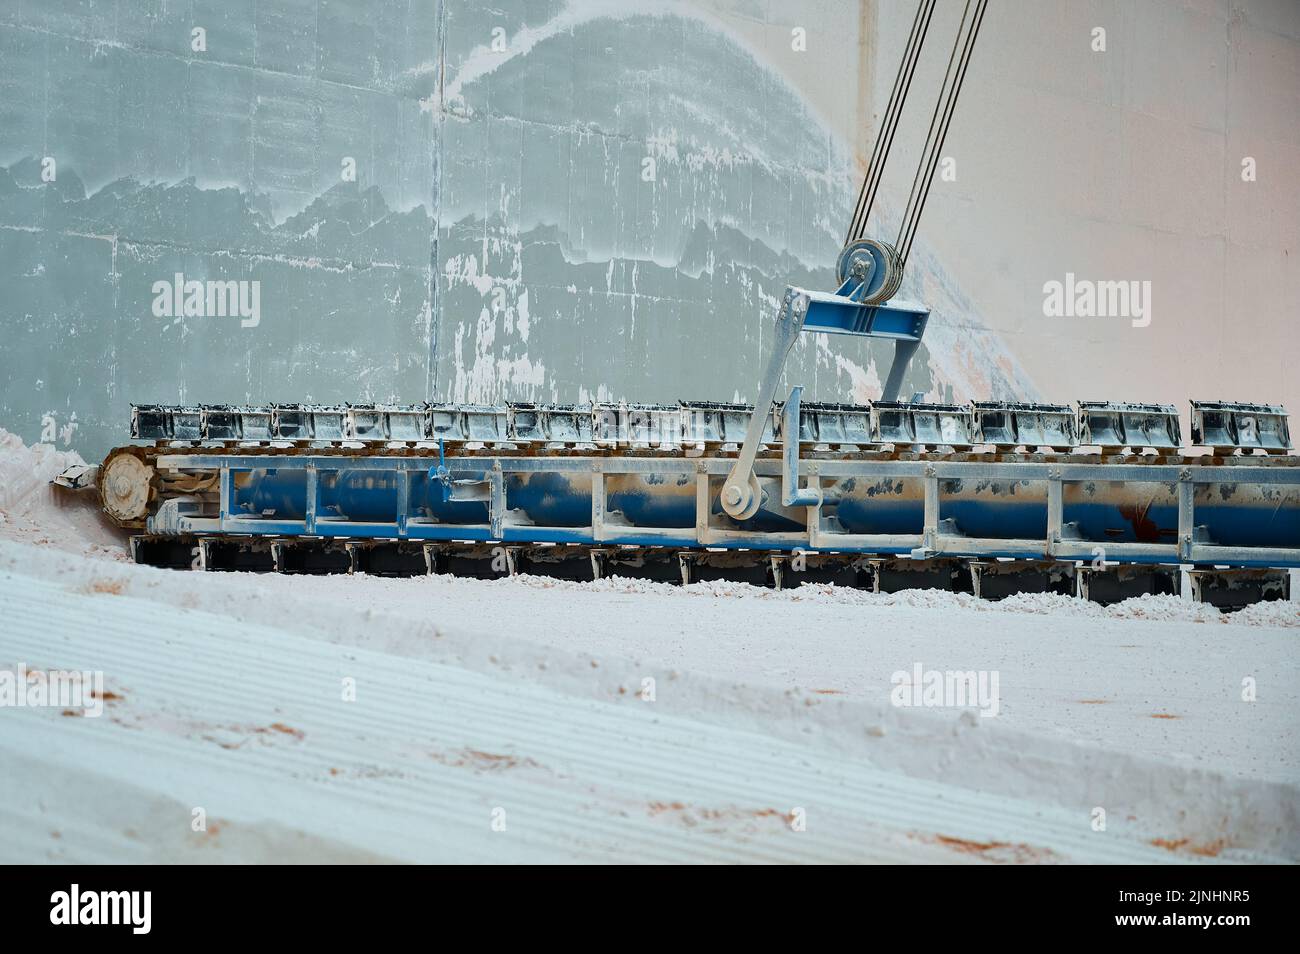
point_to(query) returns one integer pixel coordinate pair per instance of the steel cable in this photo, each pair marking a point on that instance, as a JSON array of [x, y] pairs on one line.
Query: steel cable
[[943, 113], [885, 138]]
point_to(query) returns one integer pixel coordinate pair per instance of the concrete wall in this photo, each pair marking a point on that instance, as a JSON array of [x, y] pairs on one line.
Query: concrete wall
[[504, 238], [223, 164], [1126, 165]]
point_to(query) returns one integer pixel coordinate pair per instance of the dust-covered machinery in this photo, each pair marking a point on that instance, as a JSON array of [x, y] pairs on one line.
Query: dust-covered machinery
[[1100, 499]]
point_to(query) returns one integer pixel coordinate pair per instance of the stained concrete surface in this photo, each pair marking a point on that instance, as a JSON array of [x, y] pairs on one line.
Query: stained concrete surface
[[503, 238]]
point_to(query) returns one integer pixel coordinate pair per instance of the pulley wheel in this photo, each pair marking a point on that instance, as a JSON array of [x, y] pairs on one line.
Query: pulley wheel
[[874, 262]]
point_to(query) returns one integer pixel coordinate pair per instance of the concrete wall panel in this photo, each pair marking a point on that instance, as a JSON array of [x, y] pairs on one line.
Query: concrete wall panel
[[503, 238]]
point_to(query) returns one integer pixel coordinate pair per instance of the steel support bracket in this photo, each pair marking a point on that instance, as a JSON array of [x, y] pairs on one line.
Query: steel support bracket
[[791, 494], [1186, 515]]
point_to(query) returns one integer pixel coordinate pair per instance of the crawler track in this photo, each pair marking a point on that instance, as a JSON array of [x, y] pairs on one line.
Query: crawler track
[[1227, 589]]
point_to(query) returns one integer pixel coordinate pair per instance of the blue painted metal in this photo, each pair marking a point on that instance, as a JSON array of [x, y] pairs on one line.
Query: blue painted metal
[[441, 473], [1240, 514], [844, 315]]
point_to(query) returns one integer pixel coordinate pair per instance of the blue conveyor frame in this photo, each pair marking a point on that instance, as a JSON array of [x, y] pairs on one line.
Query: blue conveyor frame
[[187, 516]]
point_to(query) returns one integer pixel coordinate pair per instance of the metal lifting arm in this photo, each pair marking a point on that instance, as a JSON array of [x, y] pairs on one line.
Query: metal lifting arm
[[870, 272], [839, 313]]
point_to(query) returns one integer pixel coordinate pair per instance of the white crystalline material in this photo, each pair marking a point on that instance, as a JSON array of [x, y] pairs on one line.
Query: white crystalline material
[[32, 511], [25, 472], [1170, 609], [1273, 613], [1094, 709]]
